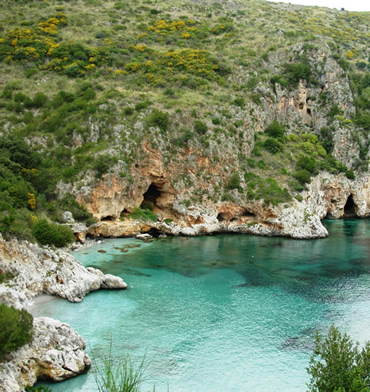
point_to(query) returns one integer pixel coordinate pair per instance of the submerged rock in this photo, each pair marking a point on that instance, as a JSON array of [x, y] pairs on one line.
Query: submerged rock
[[56, 353]]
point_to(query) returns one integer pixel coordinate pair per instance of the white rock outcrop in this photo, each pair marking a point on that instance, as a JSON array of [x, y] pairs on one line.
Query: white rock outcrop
[[55, 353], [40, 270]]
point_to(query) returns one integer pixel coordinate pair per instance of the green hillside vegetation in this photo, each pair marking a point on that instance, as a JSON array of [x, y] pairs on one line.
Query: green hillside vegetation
[[84, 83]]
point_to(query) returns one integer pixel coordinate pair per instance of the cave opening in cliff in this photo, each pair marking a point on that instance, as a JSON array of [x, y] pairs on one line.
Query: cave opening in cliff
[[248, 213], [221, 217], [124, 213], [108, 218], [309, 112], [150, 197], [349, 208]]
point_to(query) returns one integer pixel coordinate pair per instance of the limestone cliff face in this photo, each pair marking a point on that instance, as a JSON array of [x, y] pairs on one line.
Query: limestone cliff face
[[328, 196], [111, 197], [55, 353]]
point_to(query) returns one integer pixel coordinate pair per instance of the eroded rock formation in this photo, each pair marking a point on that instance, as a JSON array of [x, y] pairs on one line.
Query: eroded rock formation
[[55, 353]]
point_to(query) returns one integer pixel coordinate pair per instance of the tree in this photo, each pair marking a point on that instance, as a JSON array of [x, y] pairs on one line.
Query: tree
[[16, 329], [338, 365]]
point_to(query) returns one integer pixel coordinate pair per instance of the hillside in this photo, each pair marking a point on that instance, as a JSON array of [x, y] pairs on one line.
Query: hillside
[[243, 116]]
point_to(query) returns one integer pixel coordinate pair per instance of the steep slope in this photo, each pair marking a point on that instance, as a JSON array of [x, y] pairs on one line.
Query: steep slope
[[206, 116]]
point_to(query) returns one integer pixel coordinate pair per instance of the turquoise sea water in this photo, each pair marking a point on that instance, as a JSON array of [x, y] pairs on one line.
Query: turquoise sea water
[[231, 313]]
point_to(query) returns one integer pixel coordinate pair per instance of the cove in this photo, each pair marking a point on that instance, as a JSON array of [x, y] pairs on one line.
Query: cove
[[222, 313]]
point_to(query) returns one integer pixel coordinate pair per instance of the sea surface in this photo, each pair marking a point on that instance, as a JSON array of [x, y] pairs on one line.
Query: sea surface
[[233, 313]]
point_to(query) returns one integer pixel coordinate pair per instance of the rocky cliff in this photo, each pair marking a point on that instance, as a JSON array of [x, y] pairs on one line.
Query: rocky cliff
[[328, 196], [56, 351]]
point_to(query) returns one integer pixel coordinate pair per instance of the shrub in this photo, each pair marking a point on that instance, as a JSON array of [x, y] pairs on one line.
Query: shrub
[[239, 101], [15, 329], [327, 139], [306, 163], [302, 176], [280, 80], [128, 111], [234, 182], [103, 163], [272, 145], [51, 234], [40, 100], [296, 71], [159, 119], [275, 129], [338, 365], [200, 127], [350, 174], [79, 212]]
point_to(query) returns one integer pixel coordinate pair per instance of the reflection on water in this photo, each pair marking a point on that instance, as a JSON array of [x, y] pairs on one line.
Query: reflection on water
[[227, 312]]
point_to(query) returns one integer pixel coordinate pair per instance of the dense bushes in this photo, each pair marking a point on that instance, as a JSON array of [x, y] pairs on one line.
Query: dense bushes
[[293, 72], [275, 130], [306, 163], [52, 234], [15, 329], [302, 176], [272, 145], [267, 189], [158, 119], [234, 182]]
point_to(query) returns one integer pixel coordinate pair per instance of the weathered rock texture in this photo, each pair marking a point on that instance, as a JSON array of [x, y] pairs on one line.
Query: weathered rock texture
[[55, 353], [327, 196], [41, 270]]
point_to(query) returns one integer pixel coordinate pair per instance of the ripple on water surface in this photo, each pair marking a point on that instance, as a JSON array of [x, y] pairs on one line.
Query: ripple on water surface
[[228, 312]]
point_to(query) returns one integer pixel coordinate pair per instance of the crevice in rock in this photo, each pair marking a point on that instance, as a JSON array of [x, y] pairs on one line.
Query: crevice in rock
[[349, 208], [309, 112], [221, 217], [234, 219]]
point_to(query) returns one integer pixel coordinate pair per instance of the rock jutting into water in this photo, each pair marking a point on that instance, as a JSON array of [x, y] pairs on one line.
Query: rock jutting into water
[[56, 351]]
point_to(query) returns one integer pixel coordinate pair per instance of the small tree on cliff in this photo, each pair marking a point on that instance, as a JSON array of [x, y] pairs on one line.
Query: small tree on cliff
[[338, 365], [15, 329]]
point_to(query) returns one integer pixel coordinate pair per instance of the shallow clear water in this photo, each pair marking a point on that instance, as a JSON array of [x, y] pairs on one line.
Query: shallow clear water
[[222, 313]]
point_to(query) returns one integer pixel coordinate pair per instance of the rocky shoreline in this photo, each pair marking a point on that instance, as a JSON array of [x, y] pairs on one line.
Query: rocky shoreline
[[56, 351], [328, 196]]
